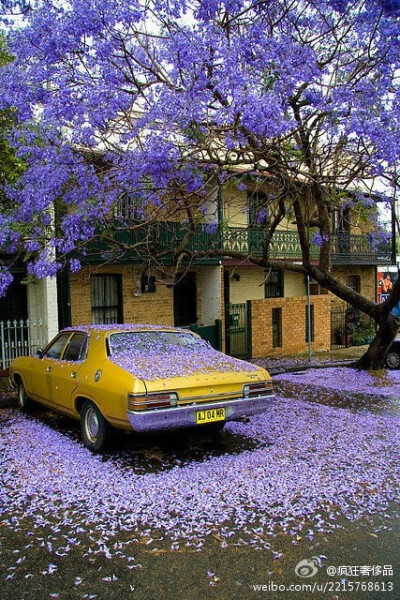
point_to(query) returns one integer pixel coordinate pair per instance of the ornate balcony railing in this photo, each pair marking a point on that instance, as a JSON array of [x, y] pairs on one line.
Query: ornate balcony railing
[[346, 248], [132, 246]]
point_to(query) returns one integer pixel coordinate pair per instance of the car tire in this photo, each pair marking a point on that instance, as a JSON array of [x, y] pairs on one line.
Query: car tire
[[94, 427], [24, 402], [393, 359]]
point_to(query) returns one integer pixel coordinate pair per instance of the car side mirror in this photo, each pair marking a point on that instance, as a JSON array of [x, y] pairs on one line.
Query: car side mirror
[[39, 352]]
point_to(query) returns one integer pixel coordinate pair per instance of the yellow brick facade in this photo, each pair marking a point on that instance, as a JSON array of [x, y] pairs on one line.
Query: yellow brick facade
[[293, 325], [154, 308], [158, 307], [367, 276]]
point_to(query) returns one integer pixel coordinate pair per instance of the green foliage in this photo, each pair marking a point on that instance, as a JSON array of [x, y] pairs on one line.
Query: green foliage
[[11, 167]]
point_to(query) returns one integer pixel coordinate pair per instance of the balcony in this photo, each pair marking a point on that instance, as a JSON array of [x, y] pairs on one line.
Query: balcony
[[136, 245], [347, 249]]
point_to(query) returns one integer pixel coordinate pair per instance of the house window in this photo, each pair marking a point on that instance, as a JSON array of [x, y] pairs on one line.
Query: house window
[[274, 285], [276, 327], [310, 327], [106, 299], [130, 208], [258, 209], [341, 220], [354, 282], [316, 289]]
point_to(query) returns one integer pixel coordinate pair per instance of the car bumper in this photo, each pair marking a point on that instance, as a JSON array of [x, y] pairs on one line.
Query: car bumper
[[185, 416]]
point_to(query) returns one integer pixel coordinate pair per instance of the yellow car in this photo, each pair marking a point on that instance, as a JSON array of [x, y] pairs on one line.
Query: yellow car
[[141, 378]]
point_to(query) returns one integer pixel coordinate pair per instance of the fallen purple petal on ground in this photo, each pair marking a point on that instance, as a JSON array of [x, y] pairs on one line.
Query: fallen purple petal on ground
[[313, 466]]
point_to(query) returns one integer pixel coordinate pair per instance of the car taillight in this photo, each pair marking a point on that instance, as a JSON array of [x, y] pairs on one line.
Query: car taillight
[[260, 388], [148, 401]]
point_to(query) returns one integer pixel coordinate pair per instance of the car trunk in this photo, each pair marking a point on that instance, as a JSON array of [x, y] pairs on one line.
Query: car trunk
[[204, 387]]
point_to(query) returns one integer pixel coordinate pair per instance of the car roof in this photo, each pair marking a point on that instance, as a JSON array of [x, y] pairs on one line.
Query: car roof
[[116, 327]]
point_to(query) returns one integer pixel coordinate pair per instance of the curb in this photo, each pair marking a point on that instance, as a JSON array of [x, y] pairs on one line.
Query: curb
[[345, 363]]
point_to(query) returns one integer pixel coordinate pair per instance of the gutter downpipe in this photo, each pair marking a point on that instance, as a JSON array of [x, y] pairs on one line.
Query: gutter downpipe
[[308, 319]]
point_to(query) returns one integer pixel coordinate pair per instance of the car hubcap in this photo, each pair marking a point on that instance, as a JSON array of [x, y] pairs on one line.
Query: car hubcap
[[393, 360], [92, 425]]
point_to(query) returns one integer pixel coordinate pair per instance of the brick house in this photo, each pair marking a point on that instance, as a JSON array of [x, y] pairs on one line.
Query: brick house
[[237, 306]]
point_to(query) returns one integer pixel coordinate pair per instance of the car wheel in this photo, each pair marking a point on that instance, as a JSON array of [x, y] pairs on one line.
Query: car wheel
[[24, 402], [94, 427], [393, 359]]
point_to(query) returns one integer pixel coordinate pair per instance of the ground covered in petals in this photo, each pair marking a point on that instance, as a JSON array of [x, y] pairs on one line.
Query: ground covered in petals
[[309, 466], [376, 391]]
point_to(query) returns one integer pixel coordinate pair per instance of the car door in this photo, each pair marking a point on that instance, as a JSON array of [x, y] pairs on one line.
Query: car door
[[65, 372], [40, 379]]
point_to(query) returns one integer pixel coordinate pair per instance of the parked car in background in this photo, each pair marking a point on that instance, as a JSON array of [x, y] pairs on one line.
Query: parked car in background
[[392, 359], [139, 378]]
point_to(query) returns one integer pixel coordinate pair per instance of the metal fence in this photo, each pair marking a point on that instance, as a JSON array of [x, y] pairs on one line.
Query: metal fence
[[350, 328], [20, 338]]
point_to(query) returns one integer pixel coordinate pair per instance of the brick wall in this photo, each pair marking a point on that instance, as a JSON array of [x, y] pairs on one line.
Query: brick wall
[[293, 325], [367, 279], [156, 308]]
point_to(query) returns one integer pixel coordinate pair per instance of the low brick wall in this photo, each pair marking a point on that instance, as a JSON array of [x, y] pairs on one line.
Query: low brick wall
[[293, 325]]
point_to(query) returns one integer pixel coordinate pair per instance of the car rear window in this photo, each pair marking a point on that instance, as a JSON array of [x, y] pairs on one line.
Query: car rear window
[[159, 341]]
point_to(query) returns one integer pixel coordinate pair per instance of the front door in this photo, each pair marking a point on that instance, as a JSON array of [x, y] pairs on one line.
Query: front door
[[14, 305], [185, 300]]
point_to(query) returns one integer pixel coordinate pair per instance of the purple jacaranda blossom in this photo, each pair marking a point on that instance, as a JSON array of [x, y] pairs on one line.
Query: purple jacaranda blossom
[[211, 228], [5, 279], [319, 239], [100, 115]]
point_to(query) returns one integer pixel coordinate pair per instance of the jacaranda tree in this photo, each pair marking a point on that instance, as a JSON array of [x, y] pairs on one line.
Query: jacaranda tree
[[156, 99]]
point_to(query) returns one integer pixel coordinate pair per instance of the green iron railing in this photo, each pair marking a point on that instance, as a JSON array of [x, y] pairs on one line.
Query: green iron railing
[[346, 248], [159, 240]]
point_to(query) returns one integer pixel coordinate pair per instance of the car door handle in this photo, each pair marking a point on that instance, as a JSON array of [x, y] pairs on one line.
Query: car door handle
[[48, 369], [73, 374]]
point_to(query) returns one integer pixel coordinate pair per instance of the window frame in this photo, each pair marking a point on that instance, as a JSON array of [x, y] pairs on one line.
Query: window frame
[[256, 201], [270, 284], [62, 334], [101, 309], [83, 347]]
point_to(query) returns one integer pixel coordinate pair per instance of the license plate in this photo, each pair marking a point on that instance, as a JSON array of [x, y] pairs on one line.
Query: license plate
[[210, 415]]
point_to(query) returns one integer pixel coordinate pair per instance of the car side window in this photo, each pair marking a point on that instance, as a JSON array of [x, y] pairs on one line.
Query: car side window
[[55, 349], [76, 349]]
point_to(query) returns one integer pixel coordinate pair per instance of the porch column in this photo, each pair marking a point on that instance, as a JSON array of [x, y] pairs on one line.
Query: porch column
[[42, 306]]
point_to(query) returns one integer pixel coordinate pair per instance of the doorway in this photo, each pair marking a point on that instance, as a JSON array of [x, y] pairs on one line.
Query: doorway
[[14, 306], [185, 300]]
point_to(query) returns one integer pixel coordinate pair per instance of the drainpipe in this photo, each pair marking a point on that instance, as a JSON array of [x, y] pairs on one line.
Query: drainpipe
[[308, 319], [220, 216], [394, 249]]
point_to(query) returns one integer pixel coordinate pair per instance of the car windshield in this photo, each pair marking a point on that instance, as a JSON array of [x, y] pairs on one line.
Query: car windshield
[[154, 341]]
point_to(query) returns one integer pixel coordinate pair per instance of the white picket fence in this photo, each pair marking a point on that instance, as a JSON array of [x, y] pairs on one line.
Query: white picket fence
[[20, 338]]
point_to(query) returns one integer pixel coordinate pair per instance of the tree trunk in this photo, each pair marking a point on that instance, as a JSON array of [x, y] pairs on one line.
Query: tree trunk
[[374, 357]]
